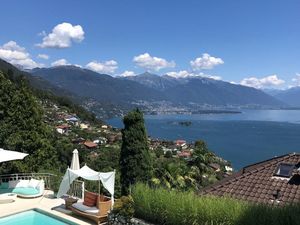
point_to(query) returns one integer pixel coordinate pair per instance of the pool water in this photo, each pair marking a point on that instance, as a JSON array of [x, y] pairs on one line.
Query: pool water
[[33, 217]]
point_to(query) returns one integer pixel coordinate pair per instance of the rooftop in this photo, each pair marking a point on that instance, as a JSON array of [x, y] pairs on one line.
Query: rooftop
[[90, 144], [275, 181], [64, 126]]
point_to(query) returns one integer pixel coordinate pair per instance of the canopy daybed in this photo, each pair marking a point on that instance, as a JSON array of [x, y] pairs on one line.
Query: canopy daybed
[[102, 205]]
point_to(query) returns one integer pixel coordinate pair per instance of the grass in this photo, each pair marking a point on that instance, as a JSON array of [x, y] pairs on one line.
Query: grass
[[161, 206]]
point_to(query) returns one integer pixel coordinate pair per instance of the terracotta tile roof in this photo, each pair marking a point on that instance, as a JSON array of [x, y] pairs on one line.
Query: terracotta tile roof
[[259, 183], [64, 126], [90, 144], [180, 142], [215, 166], [185, 154]]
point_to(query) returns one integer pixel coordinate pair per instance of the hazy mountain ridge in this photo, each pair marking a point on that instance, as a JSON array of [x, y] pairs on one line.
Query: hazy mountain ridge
[[202, 90], [100, 92], [290, 96], [100, 87], [38, 82], [153, 81], [149, 88]]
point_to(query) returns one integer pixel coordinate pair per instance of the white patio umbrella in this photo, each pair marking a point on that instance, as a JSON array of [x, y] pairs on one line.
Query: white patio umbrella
[[6, 155], [75, 161]]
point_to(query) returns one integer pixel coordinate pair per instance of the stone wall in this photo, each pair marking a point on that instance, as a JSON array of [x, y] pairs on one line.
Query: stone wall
[[114, 219]]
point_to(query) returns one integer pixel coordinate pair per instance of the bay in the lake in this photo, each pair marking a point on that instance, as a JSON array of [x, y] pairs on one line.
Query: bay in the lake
[[243, 139]]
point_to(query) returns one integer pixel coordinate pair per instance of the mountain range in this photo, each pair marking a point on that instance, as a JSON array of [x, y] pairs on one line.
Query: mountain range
[[37, 82], [100, 92], [153, 88], [290, 96], [203, 90]]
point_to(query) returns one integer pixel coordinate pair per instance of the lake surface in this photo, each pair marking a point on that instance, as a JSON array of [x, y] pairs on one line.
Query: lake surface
[[243, 139]]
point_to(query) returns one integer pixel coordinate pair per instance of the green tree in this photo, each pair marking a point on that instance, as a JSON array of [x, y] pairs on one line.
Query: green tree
[[168, 154], [22, 128], [158, 151], [201, 155], [135, 159]]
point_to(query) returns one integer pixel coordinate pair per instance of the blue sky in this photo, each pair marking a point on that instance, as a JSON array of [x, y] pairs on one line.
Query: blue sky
[[253, 42]]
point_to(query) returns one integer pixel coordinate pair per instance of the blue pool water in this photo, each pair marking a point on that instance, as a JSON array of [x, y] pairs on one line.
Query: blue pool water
[[33, 217]]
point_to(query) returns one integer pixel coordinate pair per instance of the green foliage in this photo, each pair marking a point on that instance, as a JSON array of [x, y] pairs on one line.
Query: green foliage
[[168, 154], [158, 152], [135, 160], [107, 160], [66, 102], [161, 206], [64, 150], [22, 128], [124, 206], [174, 173], [201, 155]]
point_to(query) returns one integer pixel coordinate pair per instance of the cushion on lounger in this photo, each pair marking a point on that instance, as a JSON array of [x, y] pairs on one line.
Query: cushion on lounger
[[25, 191], [83, 208], [22, 184], [90, 199], [33, 183], [18, 183]]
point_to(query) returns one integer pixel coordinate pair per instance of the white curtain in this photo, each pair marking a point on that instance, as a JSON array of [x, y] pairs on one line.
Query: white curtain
[[107, 179]]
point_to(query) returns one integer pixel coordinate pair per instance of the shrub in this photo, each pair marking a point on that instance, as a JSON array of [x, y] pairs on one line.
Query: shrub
[[162, 206], [124, 207]]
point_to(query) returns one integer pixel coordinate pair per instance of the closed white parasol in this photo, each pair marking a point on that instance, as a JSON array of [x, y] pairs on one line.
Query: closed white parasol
[[75, 161], [6, 155]]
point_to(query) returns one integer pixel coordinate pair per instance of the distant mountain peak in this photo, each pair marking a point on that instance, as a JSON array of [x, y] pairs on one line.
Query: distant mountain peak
[[67, 67], [147, 89], [148, 74]]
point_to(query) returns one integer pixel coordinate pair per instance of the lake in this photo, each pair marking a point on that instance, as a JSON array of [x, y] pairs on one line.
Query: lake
[[243, 139]]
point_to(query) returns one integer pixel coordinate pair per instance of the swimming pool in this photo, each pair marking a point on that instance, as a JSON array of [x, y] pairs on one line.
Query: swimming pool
[[34, 217]]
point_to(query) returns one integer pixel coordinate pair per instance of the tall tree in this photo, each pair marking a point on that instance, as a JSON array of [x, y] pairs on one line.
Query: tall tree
[[22, 127], [201, 155], [135, 159]]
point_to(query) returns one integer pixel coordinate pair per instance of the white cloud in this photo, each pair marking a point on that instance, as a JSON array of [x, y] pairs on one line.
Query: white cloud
[[149, 62], [265, 82], [62, 36], [43, 56], [80, 66], [296, 80], [206, 62], [60, 62], [179, 74], [185, 74], [212, 77], [17, 55], [107, 67], [127, 74]]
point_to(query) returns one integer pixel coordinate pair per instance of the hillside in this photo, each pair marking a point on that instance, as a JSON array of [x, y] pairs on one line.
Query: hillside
[[153, 81], [42, 86], [37, 82], [100, 87], [47, 127], [147, 90], [290, 96], [49, 130], [109, 96], [202, 90]]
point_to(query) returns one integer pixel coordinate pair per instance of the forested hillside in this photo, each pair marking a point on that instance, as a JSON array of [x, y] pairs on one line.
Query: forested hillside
[[28, 126], [49, 128]]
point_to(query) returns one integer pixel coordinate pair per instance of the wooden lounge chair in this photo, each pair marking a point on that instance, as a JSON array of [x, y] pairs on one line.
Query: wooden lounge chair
[[98, 213]]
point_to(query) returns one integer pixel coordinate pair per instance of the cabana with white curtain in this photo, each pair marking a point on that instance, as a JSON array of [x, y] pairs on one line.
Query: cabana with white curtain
[[107, 179]]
